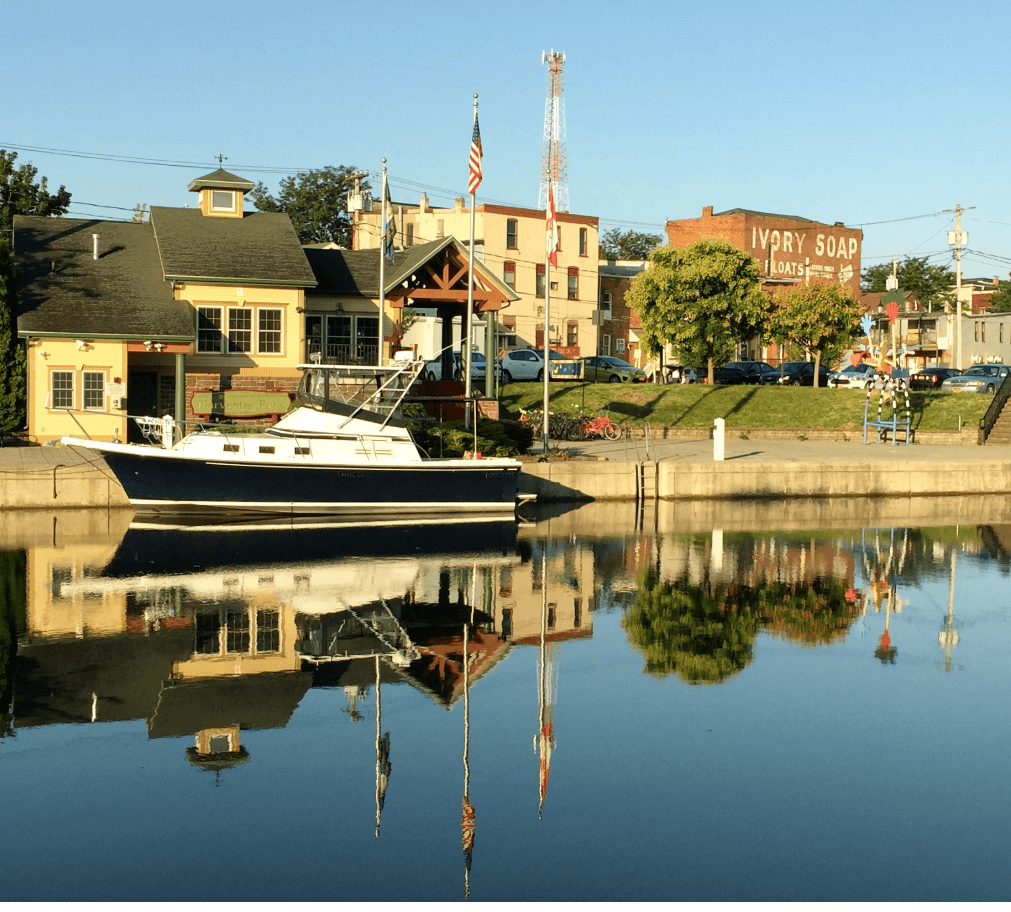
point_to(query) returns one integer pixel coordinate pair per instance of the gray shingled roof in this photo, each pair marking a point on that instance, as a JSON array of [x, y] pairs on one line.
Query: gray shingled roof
[[356, 272], [63, 291], [261, 248], [222, 179]]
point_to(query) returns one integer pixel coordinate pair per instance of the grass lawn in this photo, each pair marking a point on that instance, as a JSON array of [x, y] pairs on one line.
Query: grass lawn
[[696, 405]]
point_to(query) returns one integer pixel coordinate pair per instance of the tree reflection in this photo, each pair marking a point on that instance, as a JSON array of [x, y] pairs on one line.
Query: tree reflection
[[702, 633], [705, 632]]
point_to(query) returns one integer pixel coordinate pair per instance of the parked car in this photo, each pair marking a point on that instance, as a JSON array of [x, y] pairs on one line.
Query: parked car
[[931, 378], [605, 369], [983, 378], [854, 376], [479, 368], [728, 375], [526, 364], [801, 373], [756, 371]]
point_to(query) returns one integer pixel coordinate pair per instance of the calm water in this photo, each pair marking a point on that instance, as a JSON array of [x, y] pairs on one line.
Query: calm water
[[591, 706]]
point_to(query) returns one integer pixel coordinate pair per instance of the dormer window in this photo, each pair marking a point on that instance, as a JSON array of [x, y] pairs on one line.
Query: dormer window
[[223, 200], [221, 194]]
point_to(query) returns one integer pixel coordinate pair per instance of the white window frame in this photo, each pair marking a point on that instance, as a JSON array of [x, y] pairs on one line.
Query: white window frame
[[262, 333], [605, 300], [605, 345], [100, 407], [235, 333], [64, 393], [203, 311], [215, 207]]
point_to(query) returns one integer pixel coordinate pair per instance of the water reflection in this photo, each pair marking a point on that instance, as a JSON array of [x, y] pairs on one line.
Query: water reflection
[[212, 637]]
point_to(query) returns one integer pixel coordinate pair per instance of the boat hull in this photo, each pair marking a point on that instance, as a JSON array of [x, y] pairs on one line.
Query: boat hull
[[159, 481]]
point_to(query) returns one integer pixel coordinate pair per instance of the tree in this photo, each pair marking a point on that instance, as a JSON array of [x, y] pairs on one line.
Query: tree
[[20, 194], [628, 245], [932, 285], [1000, 300], [316, 202], [702, 299], [822, 318]]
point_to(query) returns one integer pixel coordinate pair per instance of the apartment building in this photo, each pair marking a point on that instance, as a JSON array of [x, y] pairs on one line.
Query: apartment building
[[510, 241]]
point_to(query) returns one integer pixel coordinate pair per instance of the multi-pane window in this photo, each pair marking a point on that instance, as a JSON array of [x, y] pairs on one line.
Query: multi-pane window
[[509, 274], [605, 300], [209, 329], [511, 233], [572, 334], [94, 389], [605, 344], [268, 631], [582, 241], [237, 630], [268, 340], [240, 329], [540, 280], [61, 390], [573, 283]]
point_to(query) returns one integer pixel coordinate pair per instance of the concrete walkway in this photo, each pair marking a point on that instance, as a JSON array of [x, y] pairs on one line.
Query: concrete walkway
[[696, 451]]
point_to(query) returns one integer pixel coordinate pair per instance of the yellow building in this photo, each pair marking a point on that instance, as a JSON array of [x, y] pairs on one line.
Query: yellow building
[[510, 242], [132, 318]]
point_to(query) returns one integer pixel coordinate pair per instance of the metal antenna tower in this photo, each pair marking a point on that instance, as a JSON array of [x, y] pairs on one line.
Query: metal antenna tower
[[554, 164]]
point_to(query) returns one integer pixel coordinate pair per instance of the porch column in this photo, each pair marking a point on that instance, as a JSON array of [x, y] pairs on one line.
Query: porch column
[[180, 405]]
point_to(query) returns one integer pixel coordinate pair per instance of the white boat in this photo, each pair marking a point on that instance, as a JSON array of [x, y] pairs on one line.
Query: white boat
[[343, 450]]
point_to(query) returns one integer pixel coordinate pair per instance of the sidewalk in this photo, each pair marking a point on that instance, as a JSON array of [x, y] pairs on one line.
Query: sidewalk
[[779, 451]]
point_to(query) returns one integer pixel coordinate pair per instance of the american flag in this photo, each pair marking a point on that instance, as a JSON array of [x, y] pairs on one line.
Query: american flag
[[552, 227], [475, 158], [390, 223]]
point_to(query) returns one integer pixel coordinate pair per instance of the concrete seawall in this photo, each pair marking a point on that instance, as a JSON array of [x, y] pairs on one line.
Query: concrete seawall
[[674, 470]]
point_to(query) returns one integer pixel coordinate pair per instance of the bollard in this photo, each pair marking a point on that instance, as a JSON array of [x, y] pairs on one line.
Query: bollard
[[719, 440]]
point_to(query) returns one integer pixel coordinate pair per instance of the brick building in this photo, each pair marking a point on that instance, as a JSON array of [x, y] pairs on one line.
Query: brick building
[[789, 249]]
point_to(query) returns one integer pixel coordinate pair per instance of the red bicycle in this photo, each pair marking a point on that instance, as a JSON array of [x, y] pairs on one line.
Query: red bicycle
[[600, 426]]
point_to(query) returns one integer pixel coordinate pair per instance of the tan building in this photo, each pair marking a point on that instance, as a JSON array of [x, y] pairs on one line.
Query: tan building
[[510, 242]]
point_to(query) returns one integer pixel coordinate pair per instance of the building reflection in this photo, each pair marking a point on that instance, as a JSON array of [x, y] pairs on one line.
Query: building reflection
[[210, 633]]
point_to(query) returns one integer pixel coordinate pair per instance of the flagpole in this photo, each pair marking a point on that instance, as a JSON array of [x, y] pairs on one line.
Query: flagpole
[[548, 254], [466, 349], [382, 271]]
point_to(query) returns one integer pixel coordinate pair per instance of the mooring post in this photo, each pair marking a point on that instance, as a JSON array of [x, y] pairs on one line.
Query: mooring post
[[719, 440]]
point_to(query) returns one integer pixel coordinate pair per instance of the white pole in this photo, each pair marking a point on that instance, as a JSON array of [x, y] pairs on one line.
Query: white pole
[[468, 343], [382, 272]]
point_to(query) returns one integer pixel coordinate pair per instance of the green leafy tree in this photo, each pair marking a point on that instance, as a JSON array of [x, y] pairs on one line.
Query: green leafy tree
[[821, 319], [702, 299], [628, 245], [1000, 300], [316, 202], [932, 285], [20, 194]]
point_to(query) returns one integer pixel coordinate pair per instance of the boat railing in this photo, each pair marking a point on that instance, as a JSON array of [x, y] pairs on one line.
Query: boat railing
[[338, 387]]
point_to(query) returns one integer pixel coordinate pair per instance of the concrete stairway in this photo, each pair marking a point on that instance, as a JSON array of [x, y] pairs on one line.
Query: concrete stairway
[[1001, 432]]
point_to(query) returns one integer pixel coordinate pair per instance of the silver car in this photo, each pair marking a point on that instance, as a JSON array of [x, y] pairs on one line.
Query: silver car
[[983, 378]]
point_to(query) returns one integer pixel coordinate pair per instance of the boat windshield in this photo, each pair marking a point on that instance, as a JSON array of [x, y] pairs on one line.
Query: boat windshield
[[348, 390]]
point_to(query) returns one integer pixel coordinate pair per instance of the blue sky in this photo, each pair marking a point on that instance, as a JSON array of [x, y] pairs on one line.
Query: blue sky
[[879, 115]]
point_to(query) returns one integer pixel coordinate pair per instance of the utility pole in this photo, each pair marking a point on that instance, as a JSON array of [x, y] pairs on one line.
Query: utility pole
[[958, 239]]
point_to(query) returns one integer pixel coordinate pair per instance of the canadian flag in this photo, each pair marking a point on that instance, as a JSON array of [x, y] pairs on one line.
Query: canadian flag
[[552, 228]]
